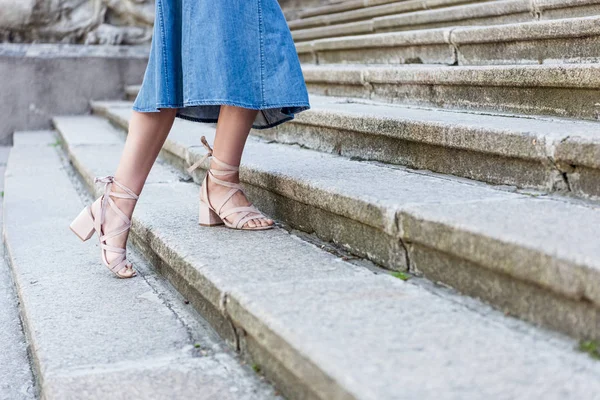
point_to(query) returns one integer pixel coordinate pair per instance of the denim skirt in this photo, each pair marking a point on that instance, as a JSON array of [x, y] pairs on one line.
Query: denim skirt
[[208, 53]]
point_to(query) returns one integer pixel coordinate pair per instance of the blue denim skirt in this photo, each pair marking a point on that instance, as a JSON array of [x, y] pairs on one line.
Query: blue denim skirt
[[205, 54]]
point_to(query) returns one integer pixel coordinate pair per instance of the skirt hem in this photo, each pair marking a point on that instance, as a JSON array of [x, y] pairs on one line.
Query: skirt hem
[[299, 107], [222, 103], [214, 121]]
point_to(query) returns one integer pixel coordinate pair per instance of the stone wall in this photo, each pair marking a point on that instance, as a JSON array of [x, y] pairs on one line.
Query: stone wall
[[40, 81]]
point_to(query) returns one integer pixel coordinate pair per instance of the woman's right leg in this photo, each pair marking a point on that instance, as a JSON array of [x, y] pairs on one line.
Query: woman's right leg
[[147, 134]]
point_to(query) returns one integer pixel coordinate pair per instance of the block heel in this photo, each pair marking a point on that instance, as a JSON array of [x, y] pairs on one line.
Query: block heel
[[83, 225], [208, 217]]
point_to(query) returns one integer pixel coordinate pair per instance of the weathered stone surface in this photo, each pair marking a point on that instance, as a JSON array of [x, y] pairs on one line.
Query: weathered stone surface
[[420, 47], [551, 9], [90, 133], [376, 197], [352, 28], [333, 8], [430, 14], [380, 337], [493, 148], [341, 331], [520, 228], [372, 11], [581, 158], [176, 377], [569, 90], [547, 42], [16, 379], [90, 332], [565, 40], [341, 6], [53, 76], [498, 12], [293, 8]]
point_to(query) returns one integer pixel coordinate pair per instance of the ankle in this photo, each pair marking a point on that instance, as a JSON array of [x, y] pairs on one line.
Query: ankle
[[126, 205], [232, 176]]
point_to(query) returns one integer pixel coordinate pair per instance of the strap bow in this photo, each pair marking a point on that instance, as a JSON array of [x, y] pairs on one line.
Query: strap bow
[[198, 163]]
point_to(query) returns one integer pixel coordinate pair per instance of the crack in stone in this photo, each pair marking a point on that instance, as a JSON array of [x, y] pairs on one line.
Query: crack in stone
[[223, 300], [404, 246], [562, 172], [535, 10], [455, 50]]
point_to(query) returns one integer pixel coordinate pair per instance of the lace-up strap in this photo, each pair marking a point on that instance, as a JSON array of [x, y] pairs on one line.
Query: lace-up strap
[[246, 213], [120, 262]]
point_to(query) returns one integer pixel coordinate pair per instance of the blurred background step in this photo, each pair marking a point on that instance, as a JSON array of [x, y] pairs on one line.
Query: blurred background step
[[91, 334], [16, 378], [448, 15], [341, 7], [413, 47], [557, 41], [501, 246], [565, 90], [497, 12], [373, 11], [318, 324]]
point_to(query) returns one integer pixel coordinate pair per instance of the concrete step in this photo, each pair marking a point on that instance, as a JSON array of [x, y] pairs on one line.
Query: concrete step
[[373, 11], [322, 326], [492, 13], [340, 7], [16, 379], [92, 335], [533, 256], [293, 8], [572, 40], [552, 155], [569, 90]]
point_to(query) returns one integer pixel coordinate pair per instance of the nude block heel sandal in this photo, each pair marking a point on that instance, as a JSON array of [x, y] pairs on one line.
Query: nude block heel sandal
[[210, 215], [90, 220]]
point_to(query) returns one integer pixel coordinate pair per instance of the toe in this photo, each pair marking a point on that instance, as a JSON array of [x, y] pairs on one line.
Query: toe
[[127, 272]]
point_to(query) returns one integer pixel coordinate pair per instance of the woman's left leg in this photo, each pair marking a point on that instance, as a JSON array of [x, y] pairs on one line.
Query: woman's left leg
[[233, 128]]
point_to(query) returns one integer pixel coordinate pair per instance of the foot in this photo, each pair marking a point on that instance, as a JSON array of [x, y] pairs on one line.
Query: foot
[[218, 192], [111, 223]]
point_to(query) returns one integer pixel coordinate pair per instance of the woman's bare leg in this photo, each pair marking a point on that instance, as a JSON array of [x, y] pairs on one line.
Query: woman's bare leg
[[232, 131], [147, 134]]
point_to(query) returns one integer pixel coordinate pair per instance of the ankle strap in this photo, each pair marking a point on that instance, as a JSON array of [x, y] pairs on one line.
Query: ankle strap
[[107, 180], [227, 169]]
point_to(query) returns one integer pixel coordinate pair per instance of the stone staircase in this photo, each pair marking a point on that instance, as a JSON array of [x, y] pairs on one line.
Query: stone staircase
[[427, 14], [436, 168]]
